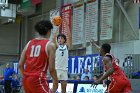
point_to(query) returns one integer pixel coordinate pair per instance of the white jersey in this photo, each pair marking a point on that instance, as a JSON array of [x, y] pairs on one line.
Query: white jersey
[[61, 59]]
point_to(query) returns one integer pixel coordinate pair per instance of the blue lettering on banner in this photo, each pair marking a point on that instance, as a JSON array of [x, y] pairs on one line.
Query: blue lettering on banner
[[77, 64], [82, 89], [94, 91], [85, 88]]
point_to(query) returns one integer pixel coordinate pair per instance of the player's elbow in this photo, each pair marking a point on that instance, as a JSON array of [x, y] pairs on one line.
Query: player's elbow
[[20, 65]]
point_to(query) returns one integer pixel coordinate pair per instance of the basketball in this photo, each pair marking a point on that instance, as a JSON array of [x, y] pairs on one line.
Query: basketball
[[57, 20]]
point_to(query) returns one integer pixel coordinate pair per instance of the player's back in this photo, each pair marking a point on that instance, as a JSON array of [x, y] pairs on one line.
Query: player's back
[[36, 57]]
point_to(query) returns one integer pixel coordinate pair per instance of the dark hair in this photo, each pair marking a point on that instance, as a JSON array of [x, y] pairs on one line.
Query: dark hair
[[62, 35], [95, 76], [106, 48], [87, 77], [42, 27]]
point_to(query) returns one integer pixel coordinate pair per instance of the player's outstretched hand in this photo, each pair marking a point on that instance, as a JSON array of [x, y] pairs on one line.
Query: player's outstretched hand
[[95, 83]]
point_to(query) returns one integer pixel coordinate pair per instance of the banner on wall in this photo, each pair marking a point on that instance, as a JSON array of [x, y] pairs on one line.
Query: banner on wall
[[66, 22], [91, 21], [77, 64], [70, 1], [86, 88], [78, 25], [107, 12]]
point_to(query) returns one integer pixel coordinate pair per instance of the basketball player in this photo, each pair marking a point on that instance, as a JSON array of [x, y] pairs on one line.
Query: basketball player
[[37, 56], [61, 60], [119, 82]]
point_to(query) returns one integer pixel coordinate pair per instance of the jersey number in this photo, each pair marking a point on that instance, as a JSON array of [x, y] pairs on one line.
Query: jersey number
[[62, 53], [35, 51]]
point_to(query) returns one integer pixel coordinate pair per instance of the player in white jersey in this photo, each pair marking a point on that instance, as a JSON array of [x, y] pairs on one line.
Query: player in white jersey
[[61, 61]]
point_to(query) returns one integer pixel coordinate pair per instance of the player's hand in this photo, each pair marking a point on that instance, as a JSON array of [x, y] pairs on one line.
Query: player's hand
[[92, 42], [94, 84], [57, 28]]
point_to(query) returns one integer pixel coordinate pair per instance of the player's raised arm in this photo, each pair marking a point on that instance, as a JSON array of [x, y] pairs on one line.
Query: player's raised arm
[[51, 54], [54, 37], [92, 42]]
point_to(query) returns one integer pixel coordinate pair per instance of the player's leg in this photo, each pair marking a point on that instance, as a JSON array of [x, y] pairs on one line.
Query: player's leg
[[115, 87], [64, 79], [63, 86]]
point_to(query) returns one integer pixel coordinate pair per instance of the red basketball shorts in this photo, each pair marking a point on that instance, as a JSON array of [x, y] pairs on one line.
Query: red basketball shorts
[[120, 86], [35, 84]]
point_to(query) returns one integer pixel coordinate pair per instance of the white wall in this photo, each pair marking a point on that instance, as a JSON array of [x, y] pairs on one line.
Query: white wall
[[119, 50], [127, 44], [133, 13]]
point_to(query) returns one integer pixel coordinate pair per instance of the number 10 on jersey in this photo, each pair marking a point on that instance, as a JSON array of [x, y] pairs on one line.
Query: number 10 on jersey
[[35, 50]]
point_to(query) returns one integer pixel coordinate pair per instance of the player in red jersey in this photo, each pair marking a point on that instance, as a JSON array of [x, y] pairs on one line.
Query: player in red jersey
[[37, 56], [119, 82]]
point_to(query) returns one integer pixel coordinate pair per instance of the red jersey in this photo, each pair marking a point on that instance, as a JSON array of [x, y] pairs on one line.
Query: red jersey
[[117, 70], [36, 57]]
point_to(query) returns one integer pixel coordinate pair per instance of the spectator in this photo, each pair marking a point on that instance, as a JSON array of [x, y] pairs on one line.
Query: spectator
[[78, 77], [8, 73], [86, 73], [74, 77], [15, 84], [86, 78], [95, 77]]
